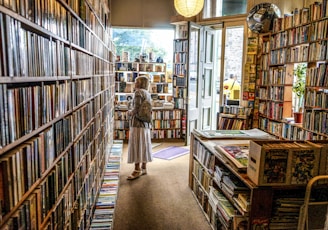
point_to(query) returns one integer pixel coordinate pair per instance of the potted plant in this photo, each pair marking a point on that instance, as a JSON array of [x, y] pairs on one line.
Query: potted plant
[[299, 90]]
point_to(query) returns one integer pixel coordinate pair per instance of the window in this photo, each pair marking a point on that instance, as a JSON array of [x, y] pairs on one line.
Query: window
[[150, 43], [219, 8]]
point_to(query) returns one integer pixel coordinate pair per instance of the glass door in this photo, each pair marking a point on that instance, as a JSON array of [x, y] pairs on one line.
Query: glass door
[[228, 65], [193, 80]]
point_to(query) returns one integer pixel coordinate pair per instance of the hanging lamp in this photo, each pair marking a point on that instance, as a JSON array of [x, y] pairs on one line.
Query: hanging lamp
[[188, 8]]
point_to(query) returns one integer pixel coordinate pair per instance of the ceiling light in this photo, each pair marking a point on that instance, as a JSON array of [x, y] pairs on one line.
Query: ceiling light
[[188, 8]]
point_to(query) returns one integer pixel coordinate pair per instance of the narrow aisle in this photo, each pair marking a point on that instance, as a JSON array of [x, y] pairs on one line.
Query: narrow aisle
[[159, 200]]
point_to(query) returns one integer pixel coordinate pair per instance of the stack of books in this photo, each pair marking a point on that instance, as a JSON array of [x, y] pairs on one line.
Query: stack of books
[[105, 204]]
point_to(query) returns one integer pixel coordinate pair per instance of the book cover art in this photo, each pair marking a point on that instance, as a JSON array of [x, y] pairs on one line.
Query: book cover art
[[275, 166], [238, 153], [303, 166]]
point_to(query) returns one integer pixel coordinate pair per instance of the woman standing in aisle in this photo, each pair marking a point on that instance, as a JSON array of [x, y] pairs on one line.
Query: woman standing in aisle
[[139, 148]]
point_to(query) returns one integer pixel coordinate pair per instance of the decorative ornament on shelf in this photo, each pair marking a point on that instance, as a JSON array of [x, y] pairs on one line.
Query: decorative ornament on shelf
[[188, 8]]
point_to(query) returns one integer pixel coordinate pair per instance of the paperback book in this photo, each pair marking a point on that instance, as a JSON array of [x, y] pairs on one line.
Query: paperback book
[[236, 134], [236, 151]]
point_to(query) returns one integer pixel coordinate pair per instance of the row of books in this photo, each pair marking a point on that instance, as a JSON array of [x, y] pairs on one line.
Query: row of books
[[202, 175], [166, 124], [167, 114], [21, 60], [273, 110], [179, 103], [22, 169], [226, 212], [201, 196], [316, 98], [103, 215], [179, 92], [168, 133], [270, 126], [318, 30], [317, 76], [181, 45], [56, 18], [294, 36], [180, 58], [162, 115], [278, 57], [316, 121], [236, 123], [315, 11], [121, 124], [205, 157], [318, 51], [231, 186], [236, 110], [277, 77], [39, 105], [180, 69], [299, 53], [155, 134], [135, 67]]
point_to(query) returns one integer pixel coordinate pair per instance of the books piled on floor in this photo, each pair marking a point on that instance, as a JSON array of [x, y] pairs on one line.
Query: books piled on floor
[[104, 210]]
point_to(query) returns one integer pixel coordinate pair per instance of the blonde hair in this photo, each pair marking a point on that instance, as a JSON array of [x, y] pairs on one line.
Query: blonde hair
[[144, 81]]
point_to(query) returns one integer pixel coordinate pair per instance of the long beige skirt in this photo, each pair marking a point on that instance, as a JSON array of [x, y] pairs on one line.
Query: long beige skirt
[[139, 148]]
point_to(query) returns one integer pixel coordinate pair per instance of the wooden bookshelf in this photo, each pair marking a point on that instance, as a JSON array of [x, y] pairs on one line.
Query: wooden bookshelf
[[296, 38], [181, 73], [234, 117], [232, 197], [56, 106], [166, 120], [166, 124]]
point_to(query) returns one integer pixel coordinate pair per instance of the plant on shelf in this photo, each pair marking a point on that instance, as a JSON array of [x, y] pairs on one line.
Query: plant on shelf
[[299, 88]]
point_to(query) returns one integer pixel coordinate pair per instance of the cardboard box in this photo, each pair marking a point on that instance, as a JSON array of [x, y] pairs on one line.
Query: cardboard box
[[279, 163], [268, 163], [305, 159], [323, 163]]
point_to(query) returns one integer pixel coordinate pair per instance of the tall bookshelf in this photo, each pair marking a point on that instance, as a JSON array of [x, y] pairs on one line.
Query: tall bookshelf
[[180, 72], [297, 38], [56, 109]]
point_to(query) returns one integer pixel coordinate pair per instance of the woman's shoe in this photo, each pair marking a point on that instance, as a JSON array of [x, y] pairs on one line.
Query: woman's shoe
[[143, 172], [135, 174]]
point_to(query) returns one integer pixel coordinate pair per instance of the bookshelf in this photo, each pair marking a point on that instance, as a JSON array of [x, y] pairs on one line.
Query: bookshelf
[[56, 107], [231, 197], [166, 119], [180, 72], [296, 38], [166, 124], [234, 117]]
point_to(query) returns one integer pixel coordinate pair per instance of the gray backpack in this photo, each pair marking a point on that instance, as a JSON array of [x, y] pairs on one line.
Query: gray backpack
[[145, 110]]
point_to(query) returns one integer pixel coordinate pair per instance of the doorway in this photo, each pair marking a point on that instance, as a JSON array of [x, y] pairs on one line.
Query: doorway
[[228, 65]]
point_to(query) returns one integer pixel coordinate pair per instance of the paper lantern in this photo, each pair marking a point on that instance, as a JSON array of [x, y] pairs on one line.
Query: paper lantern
[[188, 8]]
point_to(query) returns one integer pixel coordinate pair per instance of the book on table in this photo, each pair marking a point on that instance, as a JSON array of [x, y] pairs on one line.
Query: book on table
[[233, 134], [236, 151]]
